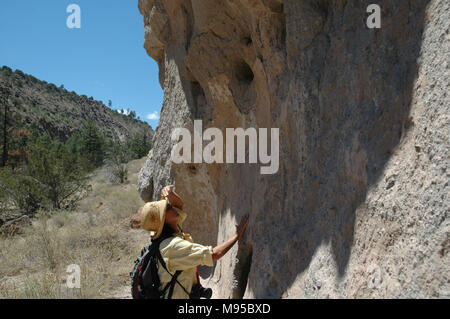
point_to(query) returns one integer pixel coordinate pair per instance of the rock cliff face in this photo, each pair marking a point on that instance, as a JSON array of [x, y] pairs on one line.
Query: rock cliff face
[[359, 206]]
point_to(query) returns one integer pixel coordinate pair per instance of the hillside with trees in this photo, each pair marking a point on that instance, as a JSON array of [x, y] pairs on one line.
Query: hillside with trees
[[51, 140], [46, 109]]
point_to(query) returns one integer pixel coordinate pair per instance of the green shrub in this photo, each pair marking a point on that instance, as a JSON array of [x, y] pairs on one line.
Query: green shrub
[[63, 179], [54, 178], [24, 192]]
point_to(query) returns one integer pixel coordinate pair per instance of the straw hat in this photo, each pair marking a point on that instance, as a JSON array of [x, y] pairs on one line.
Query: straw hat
[[153, 216], [182, 215]]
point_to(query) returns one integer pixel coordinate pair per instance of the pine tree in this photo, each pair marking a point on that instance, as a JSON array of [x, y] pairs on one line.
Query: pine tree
[[5, 123], [73, 143], [18, 152], [92, 145], [13, 134], [132, 114], [117, 157], [139, 145]]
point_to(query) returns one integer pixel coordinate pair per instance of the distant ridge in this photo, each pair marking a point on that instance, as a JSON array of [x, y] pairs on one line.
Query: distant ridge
[[52, 110]]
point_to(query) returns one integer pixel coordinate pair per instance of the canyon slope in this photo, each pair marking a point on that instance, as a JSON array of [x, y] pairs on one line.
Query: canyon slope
[[58, 113]]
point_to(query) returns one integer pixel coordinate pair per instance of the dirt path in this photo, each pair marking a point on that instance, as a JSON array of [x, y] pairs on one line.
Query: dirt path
[[121, 293]]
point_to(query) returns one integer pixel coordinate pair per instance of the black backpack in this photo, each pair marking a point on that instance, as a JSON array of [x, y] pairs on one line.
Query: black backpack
[[145, 282]]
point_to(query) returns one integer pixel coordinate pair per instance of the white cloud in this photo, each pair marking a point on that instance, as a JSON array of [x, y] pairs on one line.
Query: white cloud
[[126, 112], [153, 116]]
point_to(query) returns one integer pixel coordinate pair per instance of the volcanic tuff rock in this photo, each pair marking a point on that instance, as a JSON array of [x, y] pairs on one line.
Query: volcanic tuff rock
[[359, 206]]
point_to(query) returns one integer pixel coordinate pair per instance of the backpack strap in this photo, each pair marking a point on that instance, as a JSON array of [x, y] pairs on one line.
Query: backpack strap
[[174, 280], [171, 284]]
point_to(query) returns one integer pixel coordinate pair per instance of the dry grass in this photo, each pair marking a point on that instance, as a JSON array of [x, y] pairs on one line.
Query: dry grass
[[96, 237]]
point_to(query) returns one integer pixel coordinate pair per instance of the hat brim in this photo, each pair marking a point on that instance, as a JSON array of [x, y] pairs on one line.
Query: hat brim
[[162, 204], [182, 215]]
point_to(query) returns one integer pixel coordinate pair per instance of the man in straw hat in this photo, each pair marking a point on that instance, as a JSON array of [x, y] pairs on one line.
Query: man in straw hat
[[163, 219]]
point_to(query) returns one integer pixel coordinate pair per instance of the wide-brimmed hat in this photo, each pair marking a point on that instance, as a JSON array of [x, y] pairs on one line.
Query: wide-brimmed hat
[[182, 215], [153, 216]]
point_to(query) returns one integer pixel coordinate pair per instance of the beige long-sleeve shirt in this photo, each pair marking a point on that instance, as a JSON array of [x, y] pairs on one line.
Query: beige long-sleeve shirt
[[181, 253]]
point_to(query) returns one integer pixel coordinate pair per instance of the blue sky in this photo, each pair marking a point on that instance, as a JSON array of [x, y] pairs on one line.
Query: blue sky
[[105, 58]]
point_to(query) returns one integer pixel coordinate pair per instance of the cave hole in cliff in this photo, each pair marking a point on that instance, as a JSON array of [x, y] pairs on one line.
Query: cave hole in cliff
[[242, 270], [276, 7], [243, 72], [247, 40], [242, 86], [199, 106]]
